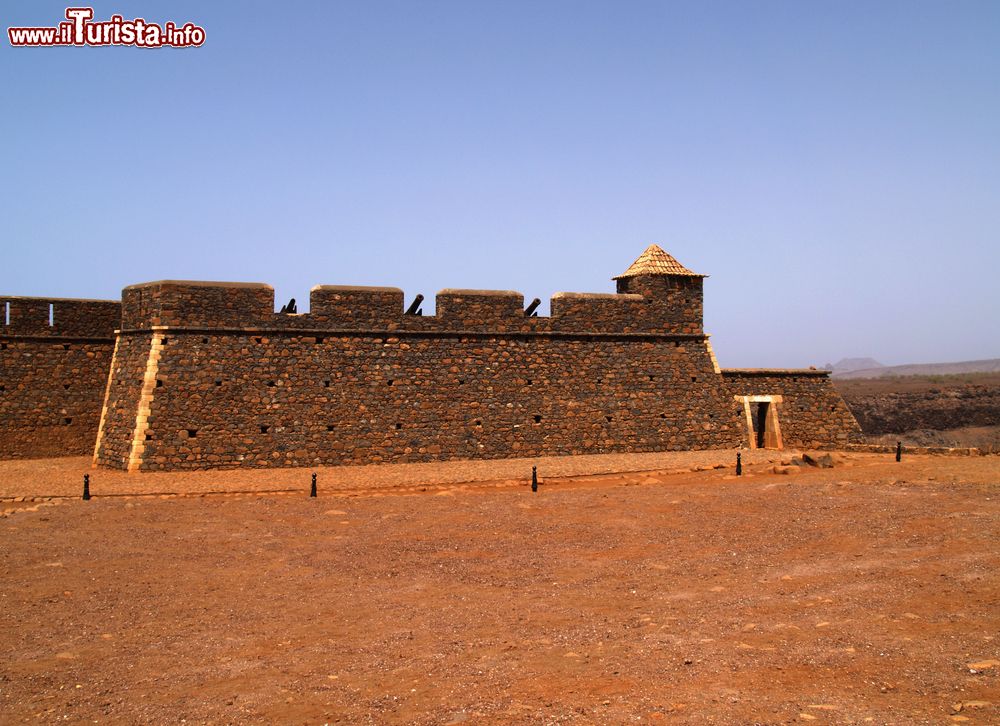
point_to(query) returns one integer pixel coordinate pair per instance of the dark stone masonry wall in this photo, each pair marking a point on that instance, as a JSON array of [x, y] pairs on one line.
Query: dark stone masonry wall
[[127, 372], [53, 375], [208, 375], [811, 414], [356, 381], [282, 399]]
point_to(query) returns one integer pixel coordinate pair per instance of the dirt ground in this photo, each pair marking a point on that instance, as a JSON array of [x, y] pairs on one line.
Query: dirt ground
[[865, 593], [60, 477]]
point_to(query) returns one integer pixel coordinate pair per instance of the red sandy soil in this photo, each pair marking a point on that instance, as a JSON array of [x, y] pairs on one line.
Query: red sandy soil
[[865, 593], [64, 476]]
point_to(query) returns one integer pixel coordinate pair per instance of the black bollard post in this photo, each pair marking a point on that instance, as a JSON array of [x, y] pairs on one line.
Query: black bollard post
[[739, 464], [899, 451], [534, 479], [86, 487], [312, 491]]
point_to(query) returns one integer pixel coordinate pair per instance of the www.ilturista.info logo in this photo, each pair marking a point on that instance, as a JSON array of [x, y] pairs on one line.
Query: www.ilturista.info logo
[[79, 29]]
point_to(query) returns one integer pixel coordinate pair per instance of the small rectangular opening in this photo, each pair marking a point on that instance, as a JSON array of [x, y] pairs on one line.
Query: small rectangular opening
[[218, 382], [6, 313], [759, 411], [52, 314], [159, 383], [65, 386], [398, 426], [66, 346], [326, 384], [764, 427], [329, 427], [149, 437], [192, 433], [265, 429], [538, 418], [67, 421], [204, 340], [270, 384], [319, 340], [2, 388]]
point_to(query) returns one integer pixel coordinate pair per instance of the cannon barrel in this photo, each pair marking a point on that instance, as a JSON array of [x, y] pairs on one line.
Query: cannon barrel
[[412, 310], [530, 310]]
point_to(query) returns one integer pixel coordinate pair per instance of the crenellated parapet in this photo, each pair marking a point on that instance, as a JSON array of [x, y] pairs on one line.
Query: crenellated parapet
[[193, 304], [58, 317], [337, 308], [343, 306]]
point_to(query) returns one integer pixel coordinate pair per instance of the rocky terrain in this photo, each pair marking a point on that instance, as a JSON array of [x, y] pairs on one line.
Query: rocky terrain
[[956, 410], [868, 368]]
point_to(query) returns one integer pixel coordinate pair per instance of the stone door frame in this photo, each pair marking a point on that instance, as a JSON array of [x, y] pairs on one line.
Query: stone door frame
[[772, 427]]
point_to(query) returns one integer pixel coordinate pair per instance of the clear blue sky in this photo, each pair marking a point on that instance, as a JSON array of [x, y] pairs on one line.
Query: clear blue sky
[[834, 166]]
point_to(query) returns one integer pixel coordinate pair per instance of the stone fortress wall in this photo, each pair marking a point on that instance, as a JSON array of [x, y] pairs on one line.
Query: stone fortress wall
[[54, 360], [207, 374]]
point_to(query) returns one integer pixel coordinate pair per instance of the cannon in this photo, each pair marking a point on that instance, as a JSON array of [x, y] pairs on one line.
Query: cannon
[[530, 311], [290, 309], [414, 308]]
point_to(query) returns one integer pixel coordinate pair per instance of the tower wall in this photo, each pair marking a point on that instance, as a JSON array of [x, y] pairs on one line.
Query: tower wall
[[54, 359], [677, 301]]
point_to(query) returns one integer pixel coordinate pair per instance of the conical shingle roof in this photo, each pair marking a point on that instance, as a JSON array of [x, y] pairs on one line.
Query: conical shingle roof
[[655, 261]]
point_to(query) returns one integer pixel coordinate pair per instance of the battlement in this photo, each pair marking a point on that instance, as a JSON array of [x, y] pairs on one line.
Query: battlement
[[59, 317], [229, 305], [192, 303]]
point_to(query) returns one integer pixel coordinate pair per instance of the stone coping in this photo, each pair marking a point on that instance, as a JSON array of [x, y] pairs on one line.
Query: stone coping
[[354, 288], [8, 298], [596, 296], [479, 293], [201, 283], [774, 372]]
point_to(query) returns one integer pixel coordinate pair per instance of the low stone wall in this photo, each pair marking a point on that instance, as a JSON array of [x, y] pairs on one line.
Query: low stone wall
[[811, 413]]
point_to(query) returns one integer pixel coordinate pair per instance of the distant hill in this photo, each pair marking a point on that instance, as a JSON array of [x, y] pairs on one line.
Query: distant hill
[[846, 365], [991, 365]]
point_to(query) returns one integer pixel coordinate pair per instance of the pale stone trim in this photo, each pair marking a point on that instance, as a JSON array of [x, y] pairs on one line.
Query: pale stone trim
[[145, 402], [107, 393], [772, 421], [711, 354]]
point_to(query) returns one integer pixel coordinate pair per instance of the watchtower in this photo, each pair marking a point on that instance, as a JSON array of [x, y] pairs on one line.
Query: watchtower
[[668, 285]]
